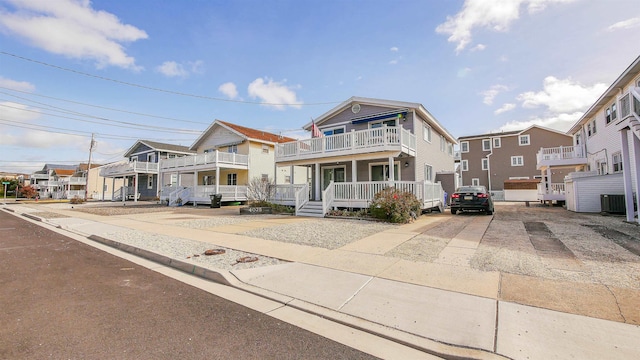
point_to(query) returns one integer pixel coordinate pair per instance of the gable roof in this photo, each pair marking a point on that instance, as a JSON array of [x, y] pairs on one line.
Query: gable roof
[[609, 95], [158, 146], [421, 110], [509, 133], [244, 132], [64, 172]]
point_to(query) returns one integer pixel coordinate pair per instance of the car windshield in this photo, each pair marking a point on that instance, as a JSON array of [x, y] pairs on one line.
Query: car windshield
[[474, 189]]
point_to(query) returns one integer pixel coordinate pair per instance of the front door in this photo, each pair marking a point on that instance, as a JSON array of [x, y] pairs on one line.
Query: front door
[[336, 174]]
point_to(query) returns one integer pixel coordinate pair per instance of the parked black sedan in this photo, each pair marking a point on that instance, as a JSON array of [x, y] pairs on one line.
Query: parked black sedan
[[471, 198]]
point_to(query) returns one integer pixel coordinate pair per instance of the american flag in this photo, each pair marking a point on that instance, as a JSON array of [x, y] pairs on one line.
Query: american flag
[[315, 132]]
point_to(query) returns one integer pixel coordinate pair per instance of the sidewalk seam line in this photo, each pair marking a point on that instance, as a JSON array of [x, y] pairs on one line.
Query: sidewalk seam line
[[355, 293]]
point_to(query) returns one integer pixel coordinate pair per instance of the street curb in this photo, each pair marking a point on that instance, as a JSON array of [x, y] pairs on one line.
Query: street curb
[[433, 347]]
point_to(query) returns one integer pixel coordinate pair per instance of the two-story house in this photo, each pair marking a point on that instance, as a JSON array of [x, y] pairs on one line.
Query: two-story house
[[59, 181], [139, 172], [365, 145], [498, 160], [227, 158], [606, 149]]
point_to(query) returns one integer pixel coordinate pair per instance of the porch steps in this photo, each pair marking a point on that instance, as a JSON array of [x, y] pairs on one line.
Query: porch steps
[[312, 208]]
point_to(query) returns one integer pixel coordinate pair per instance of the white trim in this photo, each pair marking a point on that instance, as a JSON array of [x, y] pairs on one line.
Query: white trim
[[461, 147], [475, 182], [425, 173], [323, 129], [525, 136], [485, 164], [464, 165], [516, 162], [427, 132], [496, 142], [486, 141]]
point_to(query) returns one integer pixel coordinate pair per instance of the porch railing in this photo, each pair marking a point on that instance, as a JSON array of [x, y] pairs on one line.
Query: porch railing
[[129, 167], [361, 139], [287, 192], [210, 158], [561, 153], [328, 196], [554, 188], [302, 196]]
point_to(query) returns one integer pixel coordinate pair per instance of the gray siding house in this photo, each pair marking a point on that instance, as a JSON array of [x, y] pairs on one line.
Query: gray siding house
[[367, 145], [140, 169]]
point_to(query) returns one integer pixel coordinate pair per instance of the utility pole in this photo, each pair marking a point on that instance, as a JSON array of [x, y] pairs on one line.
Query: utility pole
[[86, 187]]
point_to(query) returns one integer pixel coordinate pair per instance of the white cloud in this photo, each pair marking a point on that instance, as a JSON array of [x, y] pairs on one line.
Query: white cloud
[[561, 122], [172, 69], [394, 49], [393, 62], [562, 96], [493, 91], [18, 113], [463, 72], [17, 85], [479, 47], [273, 93], [626, 24], [504, 108], [489, 14], [74, 29], [229, 89]]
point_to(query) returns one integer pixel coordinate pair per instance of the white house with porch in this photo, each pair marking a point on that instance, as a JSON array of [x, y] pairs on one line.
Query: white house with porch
[[606, 151], [366, 146], [227, 158]]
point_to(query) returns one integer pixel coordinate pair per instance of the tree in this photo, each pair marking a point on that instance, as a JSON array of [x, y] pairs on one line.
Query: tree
[[260, 189], [29, 192]]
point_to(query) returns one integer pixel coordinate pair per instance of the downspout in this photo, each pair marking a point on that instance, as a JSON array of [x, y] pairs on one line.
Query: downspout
[[489, 168]]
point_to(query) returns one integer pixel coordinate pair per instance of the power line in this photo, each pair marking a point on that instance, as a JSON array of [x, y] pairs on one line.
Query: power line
[[162, 90], [100, 107]]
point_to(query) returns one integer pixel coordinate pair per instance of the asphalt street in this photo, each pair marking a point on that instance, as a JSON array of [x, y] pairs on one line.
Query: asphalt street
[[64, 299]]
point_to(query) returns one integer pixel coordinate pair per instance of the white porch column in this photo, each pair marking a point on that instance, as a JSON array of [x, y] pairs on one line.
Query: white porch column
[[354, 171], [113, 189], [217, 176], [123, 191], [104, 184], [626, 174], [391, 172], [195, 187], [317, 185], [549, 182], [291, 178], [135, 188], [636, 174]]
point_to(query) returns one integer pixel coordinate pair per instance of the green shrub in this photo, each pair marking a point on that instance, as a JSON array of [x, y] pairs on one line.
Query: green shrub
[[76, 200], [395, 206]]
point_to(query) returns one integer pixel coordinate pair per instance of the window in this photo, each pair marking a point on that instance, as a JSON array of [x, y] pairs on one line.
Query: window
[[232, 149], [428, 172], [485, 164], [450, 148], [265, 148], [464, 146], [589, 129], [616, 159], [577, 139], [150, 182], [232, 179], [174, 179], [264, 177], [333, 131], [524, 140], [611, 113], [172, 156], [378, 124], [593, 127], [602, 167], [443, 143], [380, 172], [517, 161], [465, 165], [287, 179], [426, 132], [151, 158], [497, 142], [133, 158], [475, 182], [486, 145]]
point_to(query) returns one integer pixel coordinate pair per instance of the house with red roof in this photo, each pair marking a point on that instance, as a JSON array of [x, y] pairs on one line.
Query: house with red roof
[[227, 158]]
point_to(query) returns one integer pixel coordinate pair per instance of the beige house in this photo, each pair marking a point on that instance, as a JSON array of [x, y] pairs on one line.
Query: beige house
[[228, 157], [493, 160], [605, 156]]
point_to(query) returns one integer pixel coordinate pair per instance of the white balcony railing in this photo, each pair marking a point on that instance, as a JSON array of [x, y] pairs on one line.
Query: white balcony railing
[[131, 167], [362, 141], [201, 160], [561, 156]]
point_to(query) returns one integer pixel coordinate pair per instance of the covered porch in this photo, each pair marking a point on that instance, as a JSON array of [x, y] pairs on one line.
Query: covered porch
[[571, 158], [131, 173]]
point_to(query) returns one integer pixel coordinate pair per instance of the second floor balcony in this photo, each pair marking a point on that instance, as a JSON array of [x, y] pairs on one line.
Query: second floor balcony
[[561, 156], [206, 161], [129, 168], [381, 139]]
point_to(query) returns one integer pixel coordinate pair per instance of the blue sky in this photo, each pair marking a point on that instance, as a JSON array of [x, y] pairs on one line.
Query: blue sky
[[164, 70]]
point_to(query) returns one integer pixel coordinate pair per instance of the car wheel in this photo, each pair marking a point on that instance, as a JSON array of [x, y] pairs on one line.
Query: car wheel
[[489, 212], [453, 211]]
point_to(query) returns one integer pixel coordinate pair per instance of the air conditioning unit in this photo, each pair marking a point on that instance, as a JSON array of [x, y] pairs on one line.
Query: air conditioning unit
[[612, 204]]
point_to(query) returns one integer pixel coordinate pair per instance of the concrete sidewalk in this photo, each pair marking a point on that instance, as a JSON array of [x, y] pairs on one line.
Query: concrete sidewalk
[[446, 307]]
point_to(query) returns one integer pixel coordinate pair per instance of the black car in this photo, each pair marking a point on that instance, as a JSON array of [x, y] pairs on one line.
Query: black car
[[471, 198]]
